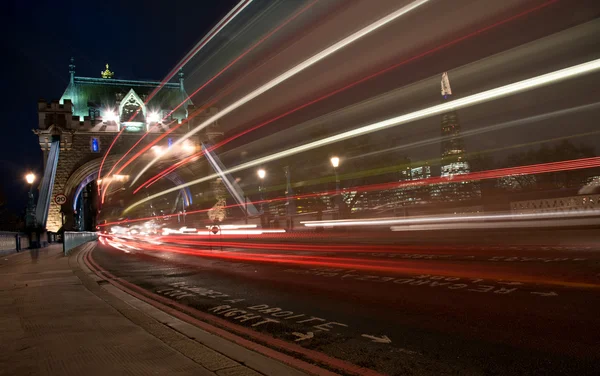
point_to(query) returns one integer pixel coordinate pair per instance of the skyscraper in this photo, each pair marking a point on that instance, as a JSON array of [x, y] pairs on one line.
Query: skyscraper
[[453, 161]]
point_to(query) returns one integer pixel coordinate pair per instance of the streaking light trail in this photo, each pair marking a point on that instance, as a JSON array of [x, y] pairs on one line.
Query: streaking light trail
[[346, 87], [292, 72], [482, 175], [490, 128], [471, 100], [450, 219], [207, 38]]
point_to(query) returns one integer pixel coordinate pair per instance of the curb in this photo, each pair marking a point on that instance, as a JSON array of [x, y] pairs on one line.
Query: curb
[[194, 324]]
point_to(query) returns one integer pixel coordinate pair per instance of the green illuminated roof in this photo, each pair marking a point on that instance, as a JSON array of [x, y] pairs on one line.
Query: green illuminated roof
[[101, 93]]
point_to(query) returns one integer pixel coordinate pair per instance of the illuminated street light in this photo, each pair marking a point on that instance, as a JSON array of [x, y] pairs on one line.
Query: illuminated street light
[[158, 150], [109, 115], [188, 147], [261, 189], [30, 177], [153, 117], [335, 162], [30, 212]]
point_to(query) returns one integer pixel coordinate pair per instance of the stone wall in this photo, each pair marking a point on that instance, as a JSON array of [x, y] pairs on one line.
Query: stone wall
[[73, 156]]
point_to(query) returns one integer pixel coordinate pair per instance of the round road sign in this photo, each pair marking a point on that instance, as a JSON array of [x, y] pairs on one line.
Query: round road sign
[[215, 230], [60, 199]]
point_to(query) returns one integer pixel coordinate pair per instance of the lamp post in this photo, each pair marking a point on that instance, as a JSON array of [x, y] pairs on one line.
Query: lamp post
[[335, 162], [29, 216], [261, 175]]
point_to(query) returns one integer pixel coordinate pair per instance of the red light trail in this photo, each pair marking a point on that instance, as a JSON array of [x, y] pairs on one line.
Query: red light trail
[[482, 175], [250, 49], [218, 28], [348, 86], [402, 267]]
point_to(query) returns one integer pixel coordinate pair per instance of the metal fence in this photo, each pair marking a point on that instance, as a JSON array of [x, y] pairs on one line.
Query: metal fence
[[74, 239], [557, 205], [12, 242]]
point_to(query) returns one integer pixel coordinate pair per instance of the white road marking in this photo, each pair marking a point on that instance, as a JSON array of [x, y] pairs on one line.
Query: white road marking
[[382, 339], [302, 336], [551, 293]]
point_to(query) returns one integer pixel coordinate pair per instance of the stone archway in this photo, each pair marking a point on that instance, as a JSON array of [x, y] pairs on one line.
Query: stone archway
[[79, 176]]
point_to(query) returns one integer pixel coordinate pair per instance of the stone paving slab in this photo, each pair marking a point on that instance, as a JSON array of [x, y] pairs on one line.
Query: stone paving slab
[[55, 321]]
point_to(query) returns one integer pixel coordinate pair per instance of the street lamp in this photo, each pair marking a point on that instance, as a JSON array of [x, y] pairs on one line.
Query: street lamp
[[29, 217], [335, 162], [261, 174], [30, 177]]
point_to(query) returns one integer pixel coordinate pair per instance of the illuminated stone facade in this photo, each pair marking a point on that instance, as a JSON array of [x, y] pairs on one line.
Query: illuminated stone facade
[[88, 117]]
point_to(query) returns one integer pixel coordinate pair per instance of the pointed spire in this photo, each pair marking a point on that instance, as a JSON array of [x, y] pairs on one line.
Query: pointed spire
[[181, 79], [72, 70], [446, 90]]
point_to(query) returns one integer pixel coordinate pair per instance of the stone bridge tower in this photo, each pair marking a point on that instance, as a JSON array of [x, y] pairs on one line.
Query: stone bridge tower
[[87, 118]]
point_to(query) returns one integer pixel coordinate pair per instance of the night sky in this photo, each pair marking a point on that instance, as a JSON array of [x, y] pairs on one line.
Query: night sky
[[146, 39], [139, 39]]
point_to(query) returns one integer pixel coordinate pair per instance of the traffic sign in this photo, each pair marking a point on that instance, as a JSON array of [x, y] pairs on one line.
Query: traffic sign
[[215, 230], [60, 199]]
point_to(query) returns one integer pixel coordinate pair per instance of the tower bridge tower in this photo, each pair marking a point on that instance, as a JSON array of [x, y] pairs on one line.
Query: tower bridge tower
[[75, 132]]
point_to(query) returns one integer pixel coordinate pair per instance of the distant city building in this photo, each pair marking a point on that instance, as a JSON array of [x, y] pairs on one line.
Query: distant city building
[[414, 193], [453, 161]]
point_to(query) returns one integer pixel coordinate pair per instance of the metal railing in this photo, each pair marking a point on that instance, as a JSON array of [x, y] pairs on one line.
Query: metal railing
[[73, 239]]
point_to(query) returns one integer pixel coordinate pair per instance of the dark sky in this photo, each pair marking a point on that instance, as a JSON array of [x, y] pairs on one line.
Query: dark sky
[[139, 39]]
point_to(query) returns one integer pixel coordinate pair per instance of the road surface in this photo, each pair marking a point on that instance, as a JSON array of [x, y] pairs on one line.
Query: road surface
[[489, 303]]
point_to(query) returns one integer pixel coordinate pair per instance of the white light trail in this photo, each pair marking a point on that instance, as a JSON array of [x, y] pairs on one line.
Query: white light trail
[[471, 100], [498, 225], [207, 38], [214, 31], [490, 128], [292, 72], [447, 220]]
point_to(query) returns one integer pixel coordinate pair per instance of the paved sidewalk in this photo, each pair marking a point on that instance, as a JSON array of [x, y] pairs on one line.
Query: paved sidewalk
[[55, 320]]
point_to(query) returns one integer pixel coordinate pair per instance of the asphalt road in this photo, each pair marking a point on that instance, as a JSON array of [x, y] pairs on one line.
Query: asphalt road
[[490, 303]]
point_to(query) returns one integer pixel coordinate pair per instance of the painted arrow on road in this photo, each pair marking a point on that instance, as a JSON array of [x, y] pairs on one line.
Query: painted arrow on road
[[383, 339], [303, 336], [551, 293]]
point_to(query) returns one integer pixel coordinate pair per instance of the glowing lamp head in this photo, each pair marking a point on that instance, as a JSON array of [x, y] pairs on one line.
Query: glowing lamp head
[[153, 117], [262, 173], [30, 178], [109, 115], [335, 162], [188, 146], [158, 150]]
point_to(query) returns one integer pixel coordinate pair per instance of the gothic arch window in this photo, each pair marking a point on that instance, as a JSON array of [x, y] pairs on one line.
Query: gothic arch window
[[132, 108]]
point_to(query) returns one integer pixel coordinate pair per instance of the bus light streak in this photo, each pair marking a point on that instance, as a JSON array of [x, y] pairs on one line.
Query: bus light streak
[[410, 267], [207, 38], [361, 80], [292, 72], [471, 100], [482, 175]]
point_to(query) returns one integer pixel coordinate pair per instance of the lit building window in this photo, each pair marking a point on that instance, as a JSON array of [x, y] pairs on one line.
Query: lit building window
[[94, 113], [95, 145]]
